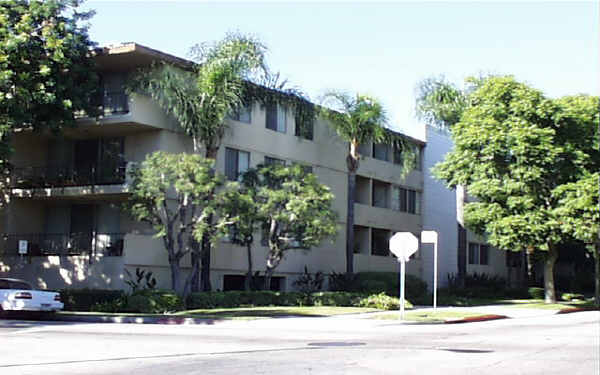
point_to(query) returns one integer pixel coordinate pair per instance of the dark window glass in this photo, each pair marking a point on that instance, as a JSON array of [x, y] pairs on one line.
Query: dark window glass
[[380, 194], [483, 254], [403, 200], [412, 202], [398, 158], [305, 130], [231, 164], [473, 253], [271, 110], [381, 152], [380, 242], [271, 161]]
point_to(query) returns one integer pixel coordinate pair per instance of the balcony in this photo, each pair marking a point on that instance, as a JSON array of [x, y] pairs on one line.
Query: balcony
[[67, 176], [64, 244], [114, 103]]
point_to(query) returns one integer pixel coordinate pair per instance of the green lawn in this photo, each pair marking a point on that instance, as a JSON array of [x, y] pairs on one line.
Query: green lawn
[[430, 316], [273, 311], [244, 312]]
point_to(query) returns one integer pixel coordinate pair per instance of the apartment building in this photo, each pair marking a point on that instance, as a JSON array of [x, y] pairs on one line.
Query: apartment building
[[65, 226], [459, 248]]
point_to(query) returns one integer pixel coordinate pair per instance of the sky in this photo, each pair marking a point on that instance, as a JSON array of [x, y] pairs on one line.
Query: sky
[[380, 48]]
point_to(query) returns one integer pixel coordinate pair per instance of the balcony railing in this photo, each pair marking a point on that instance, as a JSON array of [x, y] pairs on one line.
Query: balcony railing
[[65, 176], [115, 103], [44, 244]]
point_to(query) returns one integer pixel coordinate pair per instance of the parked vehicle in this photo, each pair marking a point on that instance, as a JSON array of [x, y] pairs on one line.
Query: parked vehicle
[[18, 295]]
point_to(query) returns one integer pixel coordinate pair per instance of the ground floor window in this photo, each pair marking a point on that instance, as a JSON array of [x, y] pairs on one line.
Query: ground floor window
[[478, 253], [237, 282]]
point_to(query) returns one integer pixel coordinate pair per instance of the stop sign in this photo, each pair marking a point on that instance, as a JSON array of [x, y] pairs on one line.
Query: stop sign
[[403, 245]]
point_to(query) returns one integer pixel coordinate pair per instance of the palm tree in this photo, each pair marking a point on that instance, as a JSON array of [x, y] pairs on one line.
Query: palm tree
[[200, 98], [358, 119]]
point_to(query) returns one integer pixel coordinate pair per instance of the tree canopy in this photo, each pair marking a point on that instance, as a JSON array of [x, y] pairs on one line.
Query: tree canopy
[[512, 148], [295, 210], [175, 194], [47, 73]]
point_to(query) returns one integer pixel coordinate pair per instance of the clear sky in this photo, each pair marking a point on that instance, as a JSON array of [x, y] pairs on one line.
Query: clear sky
[[380, 48]]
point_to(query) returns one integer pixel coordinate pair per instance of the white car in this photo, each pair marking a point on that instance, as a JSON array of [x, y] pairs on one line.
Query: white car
[[18, 295]]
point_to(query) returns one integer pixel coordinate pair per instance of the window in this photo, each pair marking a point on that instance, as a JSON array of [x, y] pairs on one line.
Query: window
[[398, 157], [242, 114], [380, 242], [305, 130], [236, 163], [406, 200], [381, 194], [381, 151], [272, 161], [478, 254], [276, 117], [364, 149]]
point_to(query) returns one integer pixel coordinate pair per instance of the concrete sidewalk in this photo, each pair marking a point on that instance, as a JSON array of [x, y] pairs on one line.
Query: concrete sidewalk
[[491, 312]]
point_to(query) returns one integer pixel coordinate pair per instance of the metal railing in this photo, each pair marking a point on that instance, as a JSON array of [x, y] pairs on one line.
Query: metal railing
[[64, 176], [44, 244], [115, 103]]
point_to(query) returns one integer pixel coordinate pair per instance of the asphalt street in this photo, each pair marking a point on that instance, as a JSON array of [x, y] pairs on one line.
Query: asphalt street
[[566, 344]]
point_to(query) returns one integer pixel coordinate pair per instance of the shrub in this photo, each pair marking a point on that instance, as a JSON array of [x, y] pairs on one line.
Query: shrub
[[572, 297], [378, 282], [537, 293], [383, 302], [85, 299], [343, 282], [154, 301], [478, 285], [336, 298], [309, 283]]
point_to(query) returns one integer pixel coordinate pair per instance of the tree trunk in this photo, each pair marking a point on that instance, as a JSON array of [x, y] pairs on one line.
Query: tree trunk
[[195, 257], [268, 275], [205, 270], [597, 274], [550, 291], [350, 223], [529, 258], [175, 276], [249, 273]]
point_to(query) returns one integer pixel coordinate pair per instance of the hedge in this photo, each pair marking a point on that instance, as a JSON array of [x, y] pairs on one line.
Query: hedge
[[85, 299]]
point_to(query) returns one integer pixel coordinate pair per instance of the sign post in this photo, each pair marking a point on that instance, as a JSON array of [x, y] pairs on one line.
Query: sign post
[[403, 245], [431, 236]]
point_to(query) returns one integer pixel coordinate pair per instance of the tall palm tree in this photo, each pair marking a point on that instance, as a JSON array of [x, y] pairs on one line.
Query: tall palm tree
[[200, 98], [358, 119]]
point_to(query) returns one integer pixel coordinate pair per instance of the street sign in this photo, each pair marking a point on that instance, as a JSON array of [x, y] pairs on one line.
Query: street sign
[[431, 236], [22, 247], [403, 245]]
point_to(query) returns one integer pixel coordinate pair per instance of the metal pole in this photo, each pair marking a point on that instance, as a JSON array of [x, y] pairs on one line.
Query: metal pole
[[402, 270], [435, 262]]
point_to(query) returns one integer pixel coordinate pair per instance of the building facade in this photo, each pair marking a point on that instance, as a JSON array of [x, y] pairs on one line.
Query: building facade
[[65, 227]]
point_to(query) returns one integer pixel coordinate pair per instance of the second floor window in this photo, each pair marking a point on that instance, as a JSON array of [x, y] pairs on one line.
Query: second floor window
[[236, 163], [304, 130], [276, 117], [406, 200], [242, 114], [381, 151]]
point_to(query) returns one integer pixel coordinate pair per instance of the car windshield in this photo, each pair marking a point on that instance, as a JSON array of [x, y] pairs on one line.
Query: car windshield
[[6, 284]]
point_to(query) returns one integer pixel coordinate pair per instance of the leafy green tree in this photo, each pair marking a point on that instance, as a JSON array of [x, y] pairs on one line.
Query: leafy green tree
[[295, 210], [512, 148], [359, 120], [175, 194], [241, 212], [46, 68], [579, 211], [202, 97]]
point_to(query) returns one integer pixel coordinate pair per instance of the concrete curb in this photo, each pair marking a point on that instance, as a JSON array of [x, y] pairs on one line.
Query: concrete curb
[[577, 309], [480, 318], [131, 319]]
